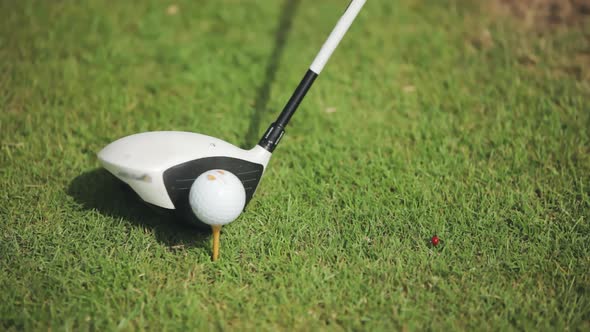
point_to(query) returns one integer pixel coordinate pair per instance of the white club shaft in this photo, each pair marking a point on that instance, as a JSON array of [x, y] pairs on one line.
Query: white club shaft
[[335, 37]]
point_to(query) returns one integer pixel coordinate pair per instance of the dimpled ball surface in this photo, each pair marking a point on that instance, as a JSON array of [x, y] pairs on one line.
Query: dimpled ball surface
[[217, 197]]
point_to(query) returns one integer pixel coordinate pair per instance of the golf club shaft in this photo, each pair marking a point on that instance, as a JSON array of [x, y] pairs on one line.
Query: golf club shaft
[[275, 132]]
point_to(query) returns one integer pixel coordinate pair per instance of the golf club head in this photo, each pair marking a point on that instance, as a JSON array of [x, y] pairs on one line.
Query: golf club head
[[161, 166]]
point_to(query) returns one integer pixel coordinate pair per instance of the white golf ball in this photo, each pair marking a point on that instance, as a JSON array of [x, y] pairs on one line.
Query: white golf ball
[[217, 197]]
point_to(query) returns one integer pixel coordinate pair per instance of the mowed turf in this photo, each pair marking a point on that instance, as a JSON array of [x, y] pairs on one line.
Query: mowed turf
[[433, 117]]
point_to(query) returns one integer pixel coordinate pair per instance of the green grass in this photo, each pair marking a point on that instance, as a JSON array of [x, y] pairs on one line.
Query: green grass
[[431, 134]]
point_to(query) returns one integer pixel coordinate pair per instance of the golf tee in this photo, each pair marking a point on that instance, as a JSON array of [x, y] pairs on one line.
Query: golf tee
[[216, 232]]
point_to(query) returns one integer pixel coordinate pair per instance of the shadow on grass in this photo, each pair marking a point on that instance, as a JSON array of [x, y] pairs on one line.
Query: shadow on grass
[[99, 190], [263, 94]]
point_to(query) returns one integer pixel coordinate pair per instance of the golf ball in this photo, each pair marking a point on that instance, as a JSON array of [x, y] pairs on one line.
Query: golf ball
[[217, 197]]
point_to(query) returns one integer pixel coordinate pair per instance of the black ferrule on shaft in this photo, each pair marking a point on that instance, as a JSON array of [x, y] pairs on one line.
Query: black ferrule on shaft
[[275, 132]]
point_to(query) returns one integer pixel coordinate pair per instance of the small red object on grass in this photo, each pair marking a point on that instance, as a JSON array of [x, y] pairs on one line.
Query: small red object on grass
[[435, 240]]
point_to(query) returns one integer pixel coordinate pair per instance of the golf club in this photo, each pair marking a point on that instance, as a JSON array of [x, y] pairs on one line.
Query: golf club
[[161, 166]]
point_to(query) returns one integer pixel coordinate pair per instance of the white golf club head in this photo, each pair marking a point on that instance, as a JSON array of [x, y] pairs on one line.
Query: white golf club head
[[161, 166]]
